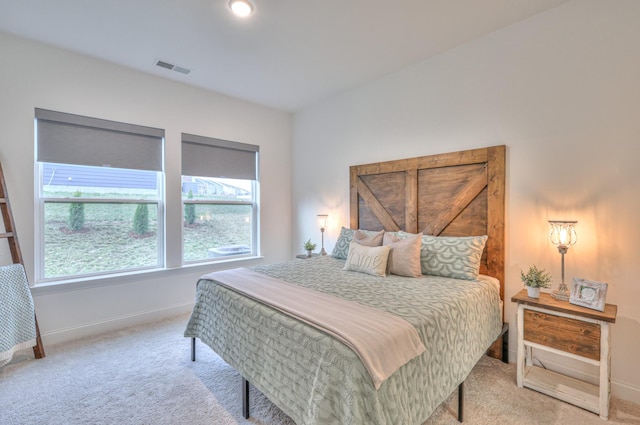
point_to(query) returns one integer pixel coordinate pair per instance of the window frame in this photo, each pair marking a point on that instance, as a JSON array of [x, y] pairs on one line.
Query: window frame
[[41, 200], [239, 154], [254, 228]]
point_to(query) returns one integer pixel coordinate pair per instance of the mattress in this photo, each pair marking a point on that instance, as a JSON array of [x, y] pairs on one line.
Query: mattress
[[316, 379]]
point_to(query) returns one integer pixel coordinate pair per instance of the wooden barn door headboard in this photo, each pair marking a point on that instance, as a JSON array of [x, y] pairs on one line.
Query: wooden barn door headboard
[[452, 194]]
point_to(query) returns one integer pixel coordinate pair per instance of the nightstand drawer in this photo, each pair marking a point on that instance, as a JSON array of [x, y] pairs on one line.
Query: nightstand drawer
[[569, 335]]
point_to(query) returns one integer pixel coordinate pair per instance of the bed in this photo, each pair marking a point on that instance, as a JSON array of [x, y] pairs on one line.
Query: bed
[[316, 379]]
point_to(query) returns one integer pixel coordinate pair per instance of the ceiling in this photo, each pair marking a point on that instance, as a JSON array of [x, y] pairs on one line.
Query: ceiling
[[287, 55]]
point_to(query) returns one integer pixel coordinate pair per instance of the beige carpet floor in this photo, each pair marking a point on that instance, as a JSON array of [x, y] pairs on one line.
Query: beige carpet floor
[[144, 375]]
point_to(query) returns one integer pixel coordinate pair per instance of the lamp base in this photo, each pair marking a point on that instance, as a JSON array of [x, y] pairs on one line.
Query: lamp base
[[560, 295], [323, 252]]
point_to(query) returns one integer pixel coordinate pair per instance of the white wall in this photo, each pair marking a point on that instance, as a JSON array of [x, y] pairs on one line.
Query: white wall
[[34, 75], [562, 91]]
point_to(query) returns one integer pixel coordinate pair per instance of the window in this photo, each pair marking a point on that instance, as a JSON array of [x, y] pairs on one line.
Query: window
[[220, 199], [100, 196]]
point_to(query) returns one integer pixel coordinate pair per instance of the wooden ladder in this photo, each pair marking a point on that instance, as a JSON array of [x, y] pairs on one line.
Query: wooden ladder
[[12, 237]]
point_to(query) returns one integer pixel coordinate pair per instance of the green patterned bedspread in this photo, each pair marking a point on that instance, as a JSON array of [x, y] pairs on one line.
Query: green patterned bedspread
[[317, 380]]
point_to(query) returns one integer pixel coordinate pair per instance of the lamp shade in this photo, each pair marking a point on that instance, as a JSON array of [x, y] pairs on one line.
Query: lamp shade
[[322, 221], [563, 233]]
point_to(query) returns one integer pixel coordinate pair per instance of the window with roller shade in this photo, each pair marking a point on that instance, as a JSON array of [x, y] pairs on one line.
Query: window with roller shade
[[220, 199], [100, 196]]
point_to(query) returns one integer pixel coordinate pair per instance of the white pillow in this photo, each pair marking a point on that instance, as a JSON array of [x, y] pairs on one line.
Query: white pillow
[[366, 259], [404, 257]]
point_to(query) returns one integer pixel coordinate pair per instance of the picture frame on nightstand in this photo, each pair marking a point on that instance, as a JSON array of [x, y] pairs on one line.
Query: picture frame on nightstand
[[588, 293]]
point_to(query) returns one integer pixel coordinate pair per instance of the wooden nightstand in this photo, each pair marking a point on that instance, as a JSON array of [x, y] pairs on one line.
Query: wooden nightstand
[[305, 256], [568, 330]]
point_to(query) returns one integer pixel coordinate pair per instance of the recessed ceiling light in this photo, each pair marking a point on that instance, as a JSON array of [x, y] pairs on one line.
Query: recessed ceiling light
[[242, 8]]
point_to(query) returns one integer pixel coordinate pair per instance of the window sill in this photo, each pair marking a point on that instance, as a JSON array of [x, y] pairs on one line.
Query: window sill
[[124, 278]]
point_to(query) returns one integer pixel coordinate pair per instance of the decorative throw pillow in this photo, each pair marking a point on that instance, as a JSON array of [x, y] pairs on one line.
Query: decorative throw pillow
[[341, 248], [449, 256], [404, 257], [368, 239], [367, 259]]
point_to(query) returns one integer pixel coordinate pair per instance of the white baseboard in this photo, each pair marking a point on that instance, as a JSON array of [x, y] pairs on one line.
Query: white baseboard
[[619, 389], [95, 328]]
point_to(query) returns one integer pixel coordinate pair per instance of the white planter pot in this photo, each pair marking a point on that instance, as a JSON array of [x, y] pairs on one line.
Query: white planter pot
[[533, 292]]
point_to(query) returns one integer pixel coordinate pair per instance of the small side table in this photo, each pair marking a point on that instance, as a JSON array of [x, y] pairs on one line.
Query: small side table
[[305, 256], [568, 330]]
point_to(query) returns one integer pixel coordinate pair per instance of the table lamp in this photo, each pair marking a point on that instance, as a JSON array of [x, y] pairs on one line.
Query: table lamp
[[563, 235], [322, 222]]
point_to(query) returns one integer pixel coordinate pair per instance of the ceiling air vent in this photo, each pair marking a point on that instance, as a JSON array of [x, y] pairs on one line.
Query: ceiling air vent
[[172, 67], [181, 70]]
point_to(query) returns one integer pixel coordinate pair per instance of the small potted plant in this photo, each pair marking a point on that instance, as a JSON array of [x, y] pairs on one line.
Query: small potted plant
[[534, 280], [309, 247]]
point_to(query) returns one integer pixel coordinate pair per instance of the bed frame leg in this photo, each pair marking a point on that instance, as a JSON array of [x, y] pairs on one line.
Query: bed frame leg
[[460, 402], [245, 398], [505, 343], [193, 349]]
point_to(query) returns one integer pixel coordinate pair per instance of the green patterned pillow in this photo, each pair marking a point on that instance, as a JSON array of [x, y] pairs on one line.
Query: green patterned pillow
[[455, 257], [341, 248]]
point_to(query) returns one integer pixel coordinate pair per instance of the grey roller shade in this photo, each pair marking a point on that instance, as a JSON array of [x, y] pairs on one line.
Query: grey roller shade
[[75, 139], [208, 157]]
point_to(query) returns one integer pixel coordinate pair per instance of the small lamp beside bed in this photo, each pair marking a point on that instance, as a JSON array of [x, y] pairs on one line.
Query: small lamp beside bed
[[563, 235], [322, 223]]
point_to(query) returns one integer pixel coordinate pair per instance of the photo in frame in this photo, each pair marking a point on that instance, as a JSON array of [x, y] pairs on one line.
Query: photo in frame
[[588, 293]]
